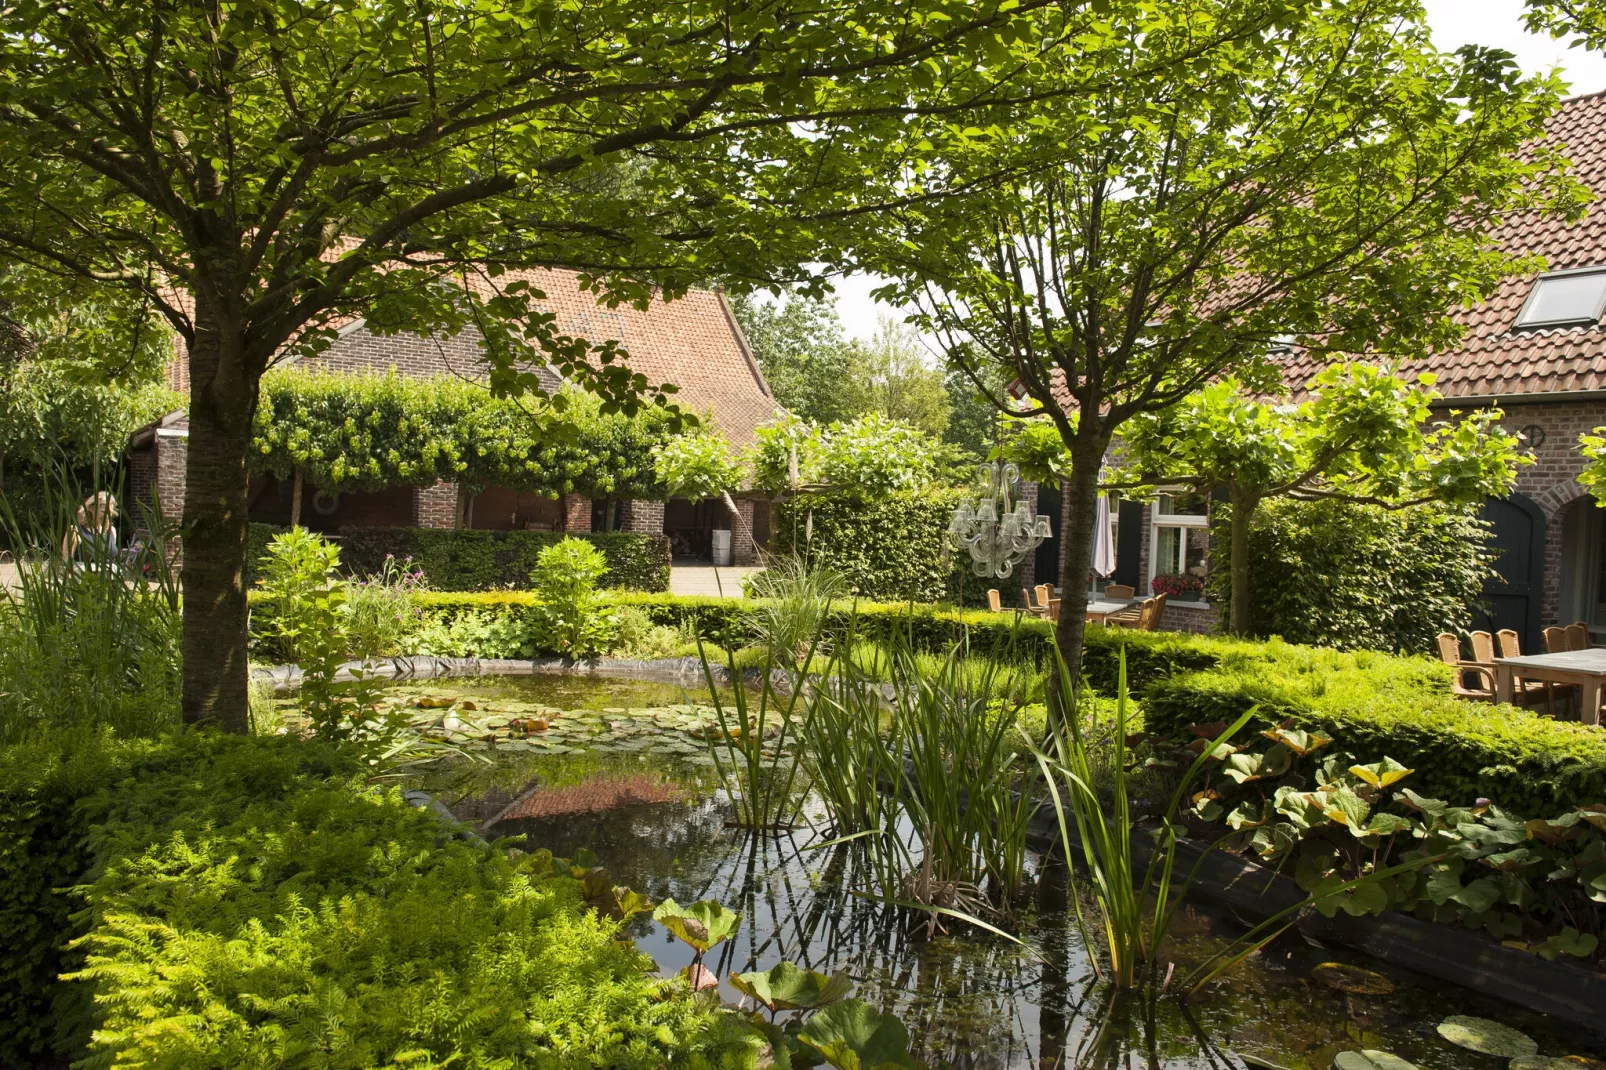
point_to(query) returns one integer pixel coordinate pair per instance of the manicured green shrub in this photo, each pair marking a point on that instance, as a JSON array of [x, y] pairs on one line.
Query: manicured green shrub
[[471, 560], [251, 903], [1360, 577], [889, 546], [1377, 704]]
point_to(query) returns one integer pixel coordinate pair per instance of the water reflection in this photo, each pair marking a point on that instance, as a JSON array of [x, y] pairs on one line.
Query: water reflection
[[968, 998]]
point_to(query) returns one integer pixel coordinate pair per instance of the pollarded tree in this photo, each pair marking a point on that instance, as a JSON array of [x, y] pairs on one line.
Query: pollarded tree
[[264, 170], [1364, 436], [1321, 171]]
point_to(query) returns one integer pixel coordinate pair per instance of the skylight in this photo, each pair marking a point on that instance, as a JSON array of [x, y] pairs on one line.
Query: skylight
[[1565, 299]]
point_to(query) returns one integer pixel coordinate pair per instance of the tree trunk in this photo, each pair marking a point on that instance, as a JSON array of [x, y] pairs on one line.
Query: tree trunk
[[1082, 501], [222, 396], [295, 498], [1243, 510]]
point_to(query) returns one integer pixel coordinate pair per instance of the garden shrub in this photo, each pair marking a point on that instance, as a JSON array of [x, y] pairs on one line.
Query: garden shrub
[[455, 559], [256, 886], [890, 546], [569, 618], [1379, 704], [1331, 573]]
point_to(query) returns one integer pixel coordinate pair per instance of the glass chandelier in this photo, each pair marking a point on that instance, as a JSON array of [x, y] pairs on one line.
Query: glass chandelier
[[996, 531]]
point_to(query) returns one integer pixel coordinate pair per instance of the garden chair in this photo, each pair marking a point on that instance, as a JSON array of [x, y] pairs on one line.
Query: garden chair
[[994, 601], [1153, 610], [1053, 609], [1450, 654], [1027, 600], [1528, 692], [1129, 617], [1555, 640], [1045, 595], [1578, 636], [1119, 590]]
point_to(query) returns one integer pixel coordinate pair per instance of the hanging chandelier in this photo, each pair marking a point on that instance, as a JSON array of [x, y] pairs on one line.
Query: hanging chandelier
[[996, 531]]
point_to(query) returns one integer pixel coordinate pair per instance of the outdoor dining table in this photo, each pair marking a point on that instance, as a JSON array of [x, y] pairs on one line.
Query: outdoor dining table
[[1100, 608], [1585, 668]]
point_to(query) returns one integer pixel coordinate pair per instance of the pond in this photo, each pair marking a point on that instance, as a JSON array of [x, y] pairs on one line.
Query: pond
[[629, 779]]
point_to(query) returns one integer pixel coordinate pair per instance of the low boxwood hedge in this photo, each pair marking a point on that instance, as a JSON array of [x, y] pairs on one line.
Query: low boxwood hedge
[[241, 896], [1381, 705], [472, 560]]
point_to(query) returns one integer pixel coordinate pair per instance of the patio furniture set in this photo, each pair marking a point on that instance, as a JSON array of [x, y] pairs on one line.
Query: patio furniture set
[[1570, 673], [1115, 606]]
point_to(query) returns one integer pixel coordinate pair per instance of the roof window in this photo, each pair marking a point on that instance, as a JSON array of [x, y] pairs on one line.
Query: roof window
[[1565, 299]]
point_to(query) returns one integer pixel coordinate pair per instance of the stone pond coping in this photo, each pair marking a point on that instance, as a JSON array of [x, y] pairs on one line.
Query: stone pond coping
[[687, 670]]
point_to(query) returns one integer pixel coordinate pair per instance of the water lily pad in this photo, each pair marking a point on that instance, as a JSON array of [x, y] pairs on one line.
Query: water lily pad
[[1488, 1037], [1370, 1060], [1347, 978]]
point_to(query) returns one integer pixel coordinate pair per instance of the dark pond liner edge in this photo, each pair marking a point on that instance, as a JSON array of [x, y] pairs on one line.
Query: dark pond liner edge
[[1568, 993]]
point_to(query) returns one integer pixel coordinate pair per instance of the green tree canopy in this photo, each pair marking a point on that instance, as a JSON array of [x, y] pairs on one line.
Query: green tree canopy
[[1315, 170], [1364, 436], [893, 376], [264, 170], [806, 358]]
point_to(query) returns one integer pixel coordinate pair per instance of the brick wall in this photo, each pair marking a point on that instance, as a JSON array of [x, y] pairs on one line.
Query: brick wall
[[576, 514], [171, 451], [1026, 571], [435, 506], [643, 517], [742, 548], [141, 482]]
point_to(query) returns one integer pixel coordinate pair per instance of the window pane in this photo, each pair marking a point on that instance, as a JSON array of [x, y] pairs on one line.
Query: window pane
[[1182, 504], [1565, 299]]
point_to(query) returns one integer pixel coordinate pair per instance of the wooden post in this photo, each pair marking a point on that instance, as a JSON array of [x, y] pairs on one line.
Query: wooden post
[[295, 498]]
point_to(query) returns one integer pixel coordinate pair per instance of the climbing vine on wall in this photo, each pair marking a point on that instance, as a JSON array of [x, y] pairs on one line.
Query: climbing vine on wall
[[365, 432]]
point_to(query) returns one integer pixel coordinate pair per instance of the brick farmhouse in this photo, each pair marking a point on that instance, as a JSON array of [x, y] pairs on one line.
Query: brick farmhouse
[[1537, 351], [693, 342]]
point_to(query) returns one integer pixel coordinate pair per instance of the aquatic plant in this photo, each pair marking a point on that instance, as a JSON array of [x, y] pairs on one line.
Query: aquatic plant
[[700, 926]]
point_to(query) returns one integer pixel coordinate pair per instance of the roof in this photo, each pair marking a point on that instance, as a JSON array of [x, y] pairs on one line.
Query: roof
[[692, 341], [1494, 359]]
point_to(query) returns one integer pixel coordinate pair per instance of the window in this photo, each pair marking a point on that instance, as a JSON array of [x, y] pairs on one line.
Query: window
[[1280, 345], [1566, 298], [1179, 541]]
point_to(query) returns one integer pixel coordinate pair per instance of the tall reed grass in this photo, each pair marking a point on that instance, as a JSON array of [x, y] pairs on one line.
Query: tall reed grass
[[91, 642]]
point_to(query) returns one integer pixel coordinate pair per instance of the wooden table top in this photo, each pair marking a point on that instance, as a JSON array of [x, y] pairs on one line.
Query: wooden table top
[[1592, 660]]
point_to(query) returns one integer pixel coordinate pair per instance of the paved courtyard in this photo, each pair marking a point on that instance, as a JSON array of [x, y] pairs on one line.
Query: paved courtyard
[[709, 579]]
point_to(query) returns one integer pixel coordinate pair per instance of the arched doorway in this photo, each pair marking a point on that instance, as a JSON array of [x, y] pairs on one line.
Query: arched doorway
[[1511, 599]]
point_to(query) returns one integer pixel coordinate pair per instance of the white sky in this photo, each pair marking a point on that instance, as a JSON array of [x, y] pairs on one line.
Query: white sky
[[1496, 23]]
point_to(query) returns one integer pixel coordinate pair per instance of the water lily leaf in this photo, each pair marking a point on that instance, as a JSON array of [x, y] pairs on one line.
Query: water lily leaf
[[1488, 1037], [1381, 774], [1370, 1060], [855, 1036], [701, 925], [1347, 978], [789, 987]]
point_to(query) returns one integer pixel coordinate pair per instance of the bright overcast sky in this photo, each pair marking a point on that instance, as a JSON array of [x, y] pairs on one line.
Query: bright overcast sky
[[1454, 23]]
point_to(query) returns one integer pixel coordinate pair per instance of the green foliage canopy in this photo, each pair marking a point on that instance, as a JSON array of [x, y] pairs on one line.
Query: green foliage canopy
[[1363, 435]]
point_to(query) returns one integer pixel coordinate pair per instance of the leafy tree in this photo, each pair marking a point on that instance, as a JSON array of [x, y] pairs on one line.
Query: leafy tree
[[806, 358], [263, 171], [868, 457], [1315, 170], [893, 377], [972, 418], [1364, 436], [1583, 20]]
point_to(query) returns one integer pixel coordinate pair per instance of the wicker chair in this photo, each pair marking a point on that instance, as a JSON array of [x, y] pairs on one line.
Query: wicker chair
[[1119, 590], [1578, 636], [1450, 654], [1528, 692], [1555, 640]]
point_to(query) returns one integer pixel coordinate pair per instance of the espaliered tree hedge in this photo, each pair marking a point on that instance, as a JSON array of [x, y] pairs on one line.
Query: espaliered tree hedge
[[1372, 703], [365, 432], [468, 560]]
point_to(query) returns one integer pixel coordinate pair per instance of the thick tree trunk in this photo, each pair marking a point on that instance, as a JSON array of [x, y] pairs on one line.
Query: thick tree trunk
[[1243, 510], [222, 396], [1076, 562]]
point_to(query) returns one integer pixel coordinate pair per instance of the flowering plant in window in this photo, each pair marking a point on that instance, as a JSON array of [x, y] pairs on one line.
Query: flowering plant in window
[[1177, 585]]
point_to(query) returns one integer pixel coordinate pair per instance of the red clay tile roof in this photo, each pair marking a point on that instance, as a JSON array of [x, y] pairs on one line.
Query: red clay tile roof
[[1494, 359]]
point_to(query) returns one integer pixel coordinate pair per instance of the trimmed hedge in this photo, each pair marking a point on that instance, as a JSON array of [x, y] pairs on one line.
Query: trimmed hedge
[[472, 560], [889, 547], [1358, 577], [249, 884], [1378, 705]]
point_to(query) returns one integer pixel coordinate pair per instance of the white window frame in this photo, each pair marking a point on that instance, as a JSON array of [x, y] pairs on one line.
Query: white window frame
[[1533, 296], [1158, 520]]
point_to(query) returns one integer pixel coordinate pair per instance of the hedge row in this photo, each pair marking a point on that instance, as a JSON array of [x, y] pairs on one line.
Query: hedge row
[[471, 560], [235, 891], [1377, 704], [1374, 704]]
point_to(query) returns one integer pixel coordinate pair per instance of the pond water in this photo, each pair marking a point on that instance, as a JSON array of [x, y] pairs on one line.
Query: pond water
[[625, 785]]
